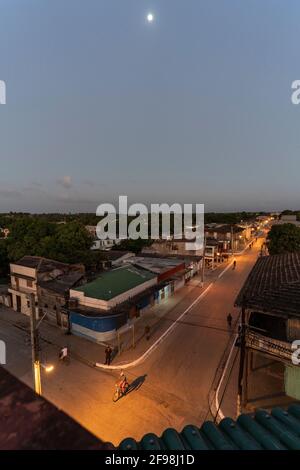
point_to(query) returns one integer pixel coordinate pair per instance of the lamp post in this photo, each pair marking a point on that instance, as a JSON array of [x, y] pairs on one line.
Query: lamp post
[[35, 349], [36, 369]]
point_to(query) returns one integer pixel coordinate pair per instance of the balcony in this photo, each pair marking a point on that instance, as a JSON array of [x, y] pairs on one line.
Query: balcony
[[273, 347]]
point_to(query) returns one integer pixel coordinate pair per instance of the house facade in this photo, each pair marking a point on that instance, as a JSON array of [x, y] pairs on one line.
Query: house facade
[[48, 280], [270, 323]]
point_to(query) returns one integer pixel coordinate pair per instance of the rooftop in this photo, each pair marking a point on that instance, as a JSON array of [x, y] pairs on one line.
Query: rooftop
[[279, 430], [156, 265], [29, 422], [62, 283], [115, 282], [223, 228], [41, 264], [273, 285]]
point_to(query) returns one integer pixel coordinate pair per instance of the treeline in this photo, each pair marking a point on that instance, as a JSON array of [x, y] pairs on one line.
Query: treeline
[[6, 220], [68, 243], [283, 238]]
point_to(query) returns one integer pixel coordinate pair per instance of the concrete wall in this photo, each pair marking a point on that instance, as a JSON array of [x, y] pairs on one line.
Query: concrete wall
[[98, 329]]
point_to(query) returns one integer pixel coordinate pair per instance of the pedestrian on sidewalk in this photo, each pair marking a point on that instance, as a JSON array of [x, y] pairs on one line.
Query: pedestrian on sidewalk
[[108, 353], [147, 332], [229, 320]]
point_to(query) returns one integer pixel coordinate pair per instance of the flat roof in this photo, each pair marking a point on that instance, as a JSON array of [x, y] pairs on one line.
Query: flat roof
[[156, 265], [115, 282]]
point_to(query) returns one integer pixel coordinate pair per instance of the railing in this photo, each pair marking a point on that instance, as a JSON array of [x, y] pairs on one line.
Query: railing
[[274, 347]]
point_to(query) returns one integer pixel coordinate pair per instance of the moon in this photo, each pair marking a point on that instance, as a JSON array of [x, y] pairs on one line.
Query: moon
[[150, 17]]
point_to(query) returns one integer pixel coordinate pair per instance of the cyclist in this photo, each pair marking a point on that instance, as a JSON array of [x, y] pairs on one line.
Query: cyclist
[[123, 384]]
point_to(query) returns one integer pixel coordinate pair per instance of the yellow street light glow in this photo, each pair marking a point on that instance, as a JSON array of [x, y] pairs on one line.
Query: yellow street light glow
[[48, 368]]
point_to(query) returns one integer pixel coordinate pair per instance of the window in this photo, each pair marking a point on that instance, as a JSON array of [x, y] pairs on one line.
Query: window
[[29, 283]]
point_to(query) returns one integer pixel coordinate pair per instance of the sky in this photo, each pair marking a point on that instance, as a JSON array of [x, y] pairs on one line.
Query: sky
[[194, 107]]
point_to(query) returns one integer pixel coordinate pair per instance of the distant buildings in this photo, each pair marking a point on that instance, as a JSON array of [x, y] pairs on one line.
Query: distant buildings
[[229, 237], [48, 280], [270, 322], [288, 219], [98, 244]]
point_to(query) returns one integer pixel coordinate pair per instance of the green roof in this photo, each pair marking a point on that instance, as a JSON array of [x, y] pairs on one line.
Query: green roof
[[278, 430], [113, 283]]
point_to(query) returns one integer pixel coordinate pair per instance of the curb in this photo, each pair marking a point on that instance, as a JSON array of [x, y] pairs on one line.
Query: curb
[[127, 365]]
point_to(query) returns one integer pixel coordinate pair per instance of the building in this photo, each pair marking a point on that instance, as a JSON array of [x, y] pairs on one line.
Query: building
[[36, 275], [115, 258], [99, 308], [98, 244], [53, 296], [229, 237], [270, 322], [287, 219]]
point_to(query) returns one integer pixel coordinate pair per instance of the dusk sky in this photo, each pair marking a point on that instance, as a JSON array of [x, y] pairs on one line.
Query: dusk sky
[[193, 107]]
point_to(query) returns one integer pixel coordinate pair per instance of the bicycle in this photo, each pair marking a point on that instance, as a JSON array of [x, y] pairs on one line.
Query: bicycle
[[120, 393]]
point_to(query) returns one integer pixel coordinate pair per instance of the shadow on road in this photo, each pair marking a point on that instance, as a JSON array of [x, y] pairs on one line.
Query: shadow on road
[[137, 383]]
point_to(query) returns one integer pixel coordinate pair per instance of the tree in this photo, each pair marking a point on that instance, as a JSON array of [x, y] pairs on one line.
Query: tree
[[283, 238], [69, 243]]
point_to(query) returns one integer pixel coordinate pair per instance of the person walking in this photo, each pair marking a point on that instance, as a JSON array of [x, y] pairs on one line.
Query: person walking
[[147, 332], [229, 320], [108, 353]]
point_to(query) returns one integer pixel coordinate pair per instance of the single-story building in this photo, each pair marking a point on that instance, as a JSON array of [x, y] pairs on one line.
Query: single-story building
[[98, 308]]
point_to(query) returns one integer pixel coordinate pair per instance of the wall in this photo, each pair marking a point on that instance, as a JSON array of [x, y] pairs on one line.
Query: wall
[[98, 329]]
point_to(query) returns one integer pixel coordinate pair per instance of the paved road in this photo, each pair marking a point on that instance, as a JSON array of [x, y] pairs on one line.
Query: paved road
[[170, 388]]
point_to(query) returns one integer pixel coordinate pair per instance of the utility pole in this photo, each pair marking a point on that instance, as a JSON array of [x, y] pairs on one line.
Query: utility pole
[[36, 367], [203, 261], [241, 379], [232, 251]]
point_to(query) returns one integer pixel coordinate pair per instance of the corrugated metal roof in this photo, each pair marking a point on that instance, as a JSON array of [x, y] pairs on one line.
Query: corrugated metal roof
[[273, 285], [278, 430]]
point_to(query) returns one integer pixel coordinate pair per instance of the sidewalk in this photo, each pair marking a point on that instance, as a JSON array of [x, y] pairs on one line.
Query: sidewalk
[[161, 319]]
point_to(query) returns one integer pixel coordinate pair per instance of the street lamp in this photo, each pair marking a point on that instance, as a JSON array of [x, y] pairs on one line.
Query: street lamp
[[35, 350]]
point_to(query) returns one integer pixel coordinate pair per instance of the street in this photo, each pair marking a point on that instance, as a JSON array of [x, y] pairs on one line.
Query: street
[[169, 389]]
